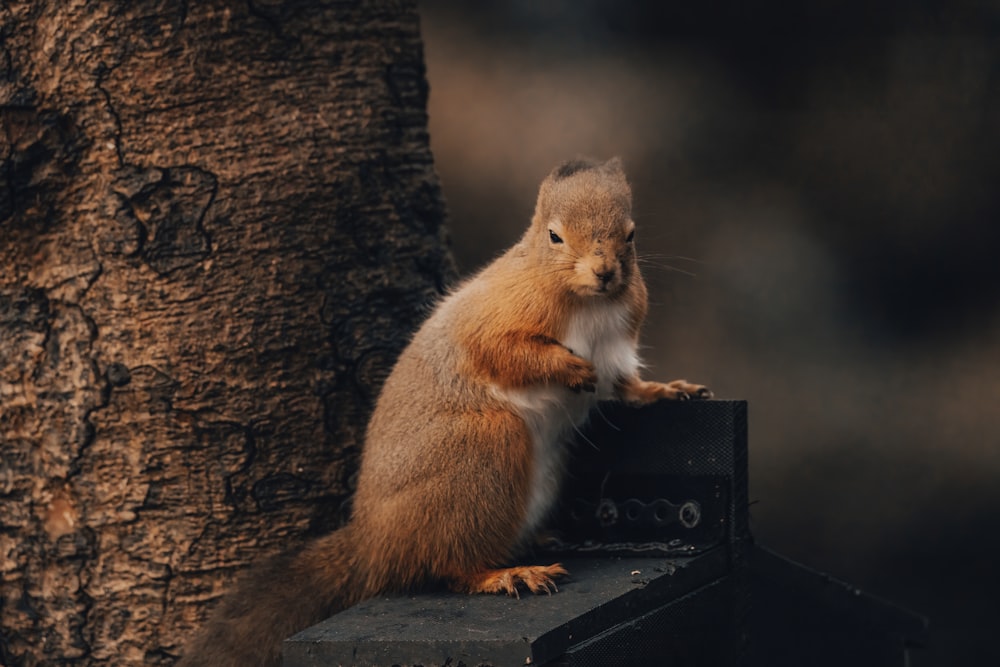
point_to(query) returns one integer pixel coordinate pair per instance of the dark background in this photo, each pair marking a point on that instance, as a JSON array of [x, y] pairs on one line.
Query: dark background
[[817, 200]]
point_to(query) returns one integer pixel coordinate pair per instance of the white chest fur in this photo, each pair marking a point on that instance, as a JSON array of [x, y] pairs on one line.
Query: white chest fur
[[600, 334]]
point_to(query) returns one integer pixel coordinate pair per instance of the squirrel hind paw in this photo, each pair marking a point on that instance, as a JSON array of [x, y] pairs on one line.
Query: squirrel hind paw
[[536, 578]]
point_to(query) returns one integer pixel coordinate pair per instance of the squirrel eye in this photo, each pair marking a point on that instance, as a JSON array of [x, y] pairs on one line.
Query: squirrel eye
[[630, 237], [554, 237]]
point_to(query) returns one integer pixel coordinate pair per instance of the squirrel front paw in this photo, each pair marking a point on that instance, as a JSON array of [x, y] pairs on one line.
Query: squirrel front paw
[[578, 374], [685, 390], [641, 392]]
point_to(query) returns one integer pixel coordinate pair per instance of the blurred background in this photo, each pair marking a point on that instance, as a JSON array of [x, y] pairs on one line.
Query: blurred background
[[817, 200]]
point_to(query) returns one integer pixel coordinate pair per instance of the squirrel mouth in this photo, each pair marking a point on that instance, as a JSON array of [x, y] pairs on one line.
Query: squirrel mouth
[[599, 289]]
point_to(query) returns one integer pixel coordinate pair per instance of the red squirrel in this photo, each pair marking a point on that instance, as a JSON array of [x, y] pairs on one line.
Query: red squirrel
[[464, 452]]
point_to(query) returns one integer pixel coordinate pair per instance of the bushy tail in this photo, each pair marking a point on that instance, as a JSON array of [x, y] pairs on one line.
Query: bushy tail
[[275, 600]]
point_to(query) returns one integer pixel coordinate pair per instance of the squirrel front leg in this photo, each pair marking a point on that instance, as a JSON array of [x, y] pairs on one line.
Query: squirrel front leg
[[640, 392], [522, 359]]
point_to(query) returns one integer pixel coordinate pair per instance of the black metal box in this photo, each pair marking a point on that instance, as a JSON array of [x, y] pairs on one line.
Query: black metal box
[[611, 611], [650, 525], [653, 527]]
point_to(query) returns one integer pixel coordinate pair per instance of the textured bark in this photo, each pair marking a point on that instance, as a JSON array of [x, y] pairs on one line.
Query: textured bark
[[218, 223]]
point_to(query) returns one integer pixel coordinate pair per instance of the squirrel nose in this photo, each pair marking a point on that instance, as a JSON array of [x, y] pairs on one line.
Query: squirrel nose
[[605, 276]]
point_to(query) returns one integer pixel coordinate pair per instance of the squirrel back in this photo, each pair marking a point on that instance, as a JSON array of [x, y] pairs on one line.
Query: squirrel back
[[463, 454]]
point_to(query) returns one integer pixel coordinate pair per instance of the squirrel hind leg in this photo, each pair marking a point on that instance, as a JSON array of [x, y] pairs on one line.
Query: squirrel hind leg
[[536, 578]]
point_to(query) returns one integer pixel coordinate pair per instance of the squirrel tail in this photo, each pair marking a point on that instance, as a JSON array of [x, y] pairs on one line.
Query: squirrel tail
[[275, 600]]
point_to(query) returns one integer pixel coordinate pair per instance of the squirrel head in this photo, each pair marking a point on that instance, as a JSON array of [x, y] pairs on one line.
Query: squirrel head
[[583, 228]]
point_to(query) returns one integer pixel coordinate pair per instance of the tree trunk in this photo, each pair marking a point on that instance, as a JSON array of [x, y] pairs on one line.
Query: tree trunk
[[219, 222]]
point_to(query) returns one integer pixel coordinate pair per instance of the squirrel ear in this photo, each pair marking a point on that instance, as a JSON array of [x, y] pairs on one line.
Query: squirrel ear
[[615, 164]]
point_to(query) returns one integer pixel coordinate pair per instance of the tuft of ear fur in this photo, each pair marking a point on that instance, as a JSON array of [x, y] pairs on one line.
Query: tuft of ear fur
[[614, 166], [575, 166], [570, 167]]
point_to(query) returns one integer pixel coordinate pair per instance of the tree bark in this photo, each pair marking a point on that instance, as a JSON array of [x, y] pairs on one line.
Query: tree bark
[[219, 222]]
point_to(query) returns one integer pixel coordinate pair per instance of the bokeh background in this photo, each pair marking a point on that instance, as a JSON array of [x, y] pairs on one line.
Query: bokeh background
[[816, 189]]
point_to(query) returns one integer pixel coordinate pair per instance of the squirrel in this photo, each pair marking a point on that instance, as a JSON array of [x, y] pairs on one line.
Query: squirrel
[[464, 451]]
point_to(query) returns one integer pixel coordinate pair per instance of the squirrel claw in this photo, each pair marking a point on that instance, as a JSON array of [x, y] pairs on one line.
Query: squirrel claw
[[536, 578], [639, 392], [580, 375], [685, 391]]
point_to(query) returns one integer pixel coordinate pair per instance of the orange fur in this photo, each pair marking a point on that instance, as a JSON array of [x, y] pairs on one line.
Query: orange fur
[[464, 450], [536, 578]]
